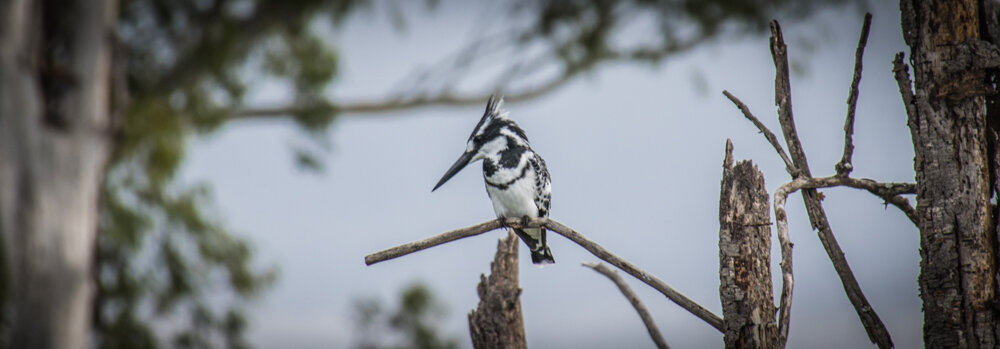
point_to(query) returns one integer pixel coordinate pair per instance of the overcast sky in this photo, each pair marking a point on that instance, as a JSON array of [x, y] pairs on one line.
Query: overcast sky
[[635, 154]]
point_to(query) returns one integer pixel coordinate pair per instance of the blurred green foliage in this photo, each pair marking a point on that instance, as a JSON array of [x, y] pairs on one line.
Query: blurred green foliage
[[413, 324], [168, 272]]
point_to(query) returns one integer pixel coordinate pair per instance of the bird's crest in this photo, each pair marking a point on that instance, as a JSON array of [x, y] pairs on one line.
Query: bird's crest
[[494, 110]]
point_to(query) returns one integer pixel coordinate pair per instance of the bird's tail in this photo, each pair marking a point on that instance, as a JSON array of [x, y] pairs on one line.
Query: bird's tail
[[542, 256], [540, 253]]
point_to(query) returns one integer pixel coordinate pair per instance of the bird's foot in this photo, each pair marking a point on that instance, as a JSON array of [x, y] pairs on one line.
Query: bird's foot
[[525, 220]]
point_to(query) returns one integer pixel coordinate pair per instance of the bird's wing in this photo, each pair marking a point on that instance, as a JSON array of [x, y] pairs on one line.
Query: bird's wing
[[543, 186]]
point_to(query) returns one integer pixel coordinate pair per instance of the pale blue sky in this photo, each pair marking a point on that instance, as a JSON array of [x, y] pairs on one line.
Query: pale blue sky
[[635, 155]]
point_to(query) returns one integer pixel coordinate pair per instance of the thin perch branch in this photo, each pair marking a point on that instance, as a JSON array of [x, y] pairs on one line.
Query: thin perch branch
[[633, 298], [424, 244], [763, 129], [594, 248], [845, 166]]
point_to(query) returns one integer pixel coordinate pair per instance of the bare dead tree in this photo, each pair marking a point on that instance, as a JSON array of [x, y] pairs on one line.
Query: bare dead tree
[[745, 257], [497, 321], [803, 180]]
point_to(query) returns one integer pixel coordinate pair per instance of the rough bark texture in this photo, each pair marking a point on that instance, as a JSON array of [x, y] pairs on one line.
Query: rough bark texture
[[744, 258], [497, 321], [54, 115], [957, 242]]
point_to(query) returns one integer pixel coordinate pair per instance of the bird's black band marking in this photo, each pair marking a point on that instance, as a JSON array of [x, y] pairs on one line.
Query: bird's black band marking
[[505, 185], [489, 167], [511, 157]]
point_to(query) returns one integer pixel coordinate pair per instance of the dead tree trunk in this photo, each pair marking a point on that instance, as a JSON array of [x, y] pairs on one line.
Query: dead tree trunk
[[55, 64], [948, 125], [744, 257], [497, 321]]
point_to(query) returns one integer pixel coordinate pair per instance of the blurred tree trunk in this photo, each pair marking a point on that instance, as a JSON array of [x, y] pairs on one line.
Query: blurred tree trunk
[[744, 258], [949, 129], [497, 321], [55, 63]]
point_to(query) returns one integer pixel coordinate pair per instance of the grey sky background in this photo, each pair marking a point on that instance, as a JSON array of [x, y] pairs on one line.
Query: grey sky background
[[635, 154]]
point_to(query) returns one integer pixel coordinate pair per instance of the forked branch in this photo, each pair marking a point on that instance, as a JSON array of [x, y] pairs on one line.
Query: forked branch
[[802, 176], [876, 330], [594, 248]]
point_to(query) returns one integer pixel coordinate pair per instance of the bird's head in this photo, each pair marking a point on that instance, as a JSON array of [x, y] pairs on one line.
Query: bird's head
[[492, 134]]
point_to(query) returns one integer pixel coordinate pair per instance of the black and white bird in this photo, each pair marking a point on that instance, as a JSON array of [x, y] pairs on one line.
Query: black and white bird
[[516, 178]]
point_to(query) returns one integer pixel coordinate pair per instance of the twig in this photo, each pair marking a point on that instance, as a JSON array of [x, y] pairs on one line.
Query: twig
[[876, 330], [763, 129], [595, 249], [845, 166], [647, 319]]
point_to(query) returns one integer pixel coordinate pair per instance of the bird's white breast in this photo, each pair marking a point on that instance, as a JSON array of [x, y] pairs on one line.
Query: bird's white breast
[[517, 200]]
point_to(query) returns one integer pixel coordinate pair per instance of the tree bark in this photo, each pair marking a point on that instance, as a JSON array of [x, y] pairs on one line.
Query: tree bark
[[55, 63], [948, 126], [744, 257], [497, 321]]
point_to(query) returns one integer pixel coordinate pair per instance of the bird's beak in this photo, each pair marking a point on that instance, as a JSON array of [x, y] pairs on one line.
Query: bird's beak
[[458, 166]]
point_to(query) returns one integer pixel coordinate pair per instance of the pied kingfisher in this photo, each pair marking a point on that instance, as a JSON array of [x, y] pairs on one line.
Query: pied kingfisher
[[516, 178]]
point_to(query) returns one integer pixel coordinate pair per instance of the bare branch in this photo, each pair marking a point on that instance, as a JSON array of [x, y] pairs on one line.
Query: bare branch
[[594, 248], [876, 330], [780, 216], [844, 167], [633, 298], [424, 244], [763, 129], [890, 192], [783, 99], [787, 278], [902, 73]]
